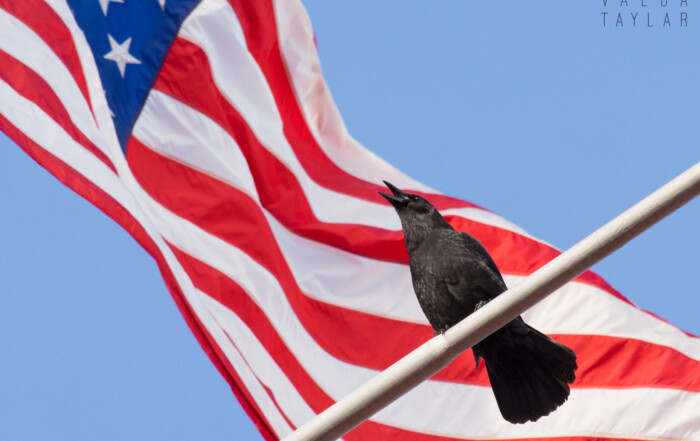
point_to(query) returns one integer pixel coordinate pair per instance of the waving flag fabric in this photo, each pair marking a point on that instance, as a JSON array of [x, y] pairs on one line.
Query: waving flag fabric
[[205, 129]]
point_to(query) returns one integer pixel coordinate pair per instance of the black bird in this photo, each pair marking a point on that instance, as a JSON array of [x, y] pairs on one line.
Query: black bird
[[453, 276]]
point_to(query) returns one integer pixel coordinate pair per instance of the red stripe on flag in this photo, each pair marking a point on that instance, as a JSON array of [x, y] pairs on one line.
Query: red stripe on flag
[[267, 390], [33, 87], [519, 255], [109, 206], [43, 20]]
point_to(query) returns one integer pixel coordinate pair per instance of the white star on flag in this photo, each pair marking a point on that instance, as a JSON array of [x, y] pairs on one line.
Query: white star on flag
[[120, 54], [105, 4], [162, 4]]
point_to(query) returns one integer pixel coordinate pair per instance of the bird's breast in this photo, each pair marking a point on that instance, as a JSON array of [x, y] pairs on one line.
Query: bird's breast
[[439, 306]]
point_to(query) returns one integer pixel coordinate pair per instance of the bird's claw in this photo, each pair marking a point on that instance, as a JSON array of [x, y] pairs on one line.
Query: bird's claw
[[477, 360], [440, 331]]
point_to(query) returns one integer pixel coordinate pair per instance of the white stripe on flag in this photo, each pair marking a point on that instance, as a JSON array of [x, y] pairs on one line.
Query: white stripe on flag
[[35, 54]]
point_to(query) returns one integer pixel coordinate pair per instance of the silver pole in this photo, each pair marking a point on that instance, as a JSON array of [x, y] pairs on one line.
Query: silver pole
[[439, 351]]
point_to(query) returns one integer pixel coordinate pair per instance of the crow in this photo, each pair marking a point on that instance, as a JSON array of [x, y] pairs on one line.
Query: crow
[[453, 276]]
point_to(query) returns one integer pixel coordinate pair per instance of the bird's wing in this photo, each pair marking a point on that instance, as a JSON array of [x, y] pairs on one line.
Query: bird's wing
[[467, 271]]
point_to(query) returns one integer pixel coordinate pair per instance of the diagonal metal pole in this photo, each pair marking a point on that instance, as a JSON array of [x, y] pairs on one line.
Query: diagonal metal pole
[[439, 351]]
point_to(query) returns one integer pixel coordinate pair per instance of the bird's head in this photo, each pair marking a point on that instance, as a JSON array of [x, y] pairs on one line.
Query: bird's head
[[418, 216], [406, 203]]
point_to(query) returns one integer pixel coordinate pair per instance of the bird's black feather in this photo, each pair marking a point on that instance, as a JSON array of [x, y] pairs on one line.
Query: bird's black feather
[[453, 275]]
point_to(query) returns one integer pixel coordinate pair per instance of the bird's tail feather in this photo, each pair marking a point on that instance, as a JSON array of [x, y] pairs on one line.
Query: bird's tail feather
[[530, 374]]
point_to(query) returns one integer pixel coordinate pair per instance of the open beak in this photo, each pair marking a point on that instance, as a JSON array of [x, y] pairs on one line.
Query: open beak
[[398, 199]]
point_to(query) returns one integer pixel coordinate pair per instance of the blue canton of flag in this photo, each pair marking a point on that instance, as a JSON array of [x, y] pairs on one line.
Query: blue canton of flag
[[129, 40]]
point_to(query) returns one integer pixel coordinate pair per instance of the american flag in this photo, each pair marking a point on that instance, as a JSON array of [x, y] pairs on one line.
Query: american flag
[[205, 129]]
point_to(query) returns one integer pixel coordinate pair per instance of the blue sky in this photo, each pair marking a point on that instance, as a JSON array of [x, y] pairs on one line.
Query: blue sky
[[531, 109]]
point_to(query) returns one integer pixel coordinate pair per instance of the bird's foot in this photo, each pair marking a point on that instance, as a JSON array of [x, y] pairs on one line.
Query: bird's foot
[[440, 331]]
